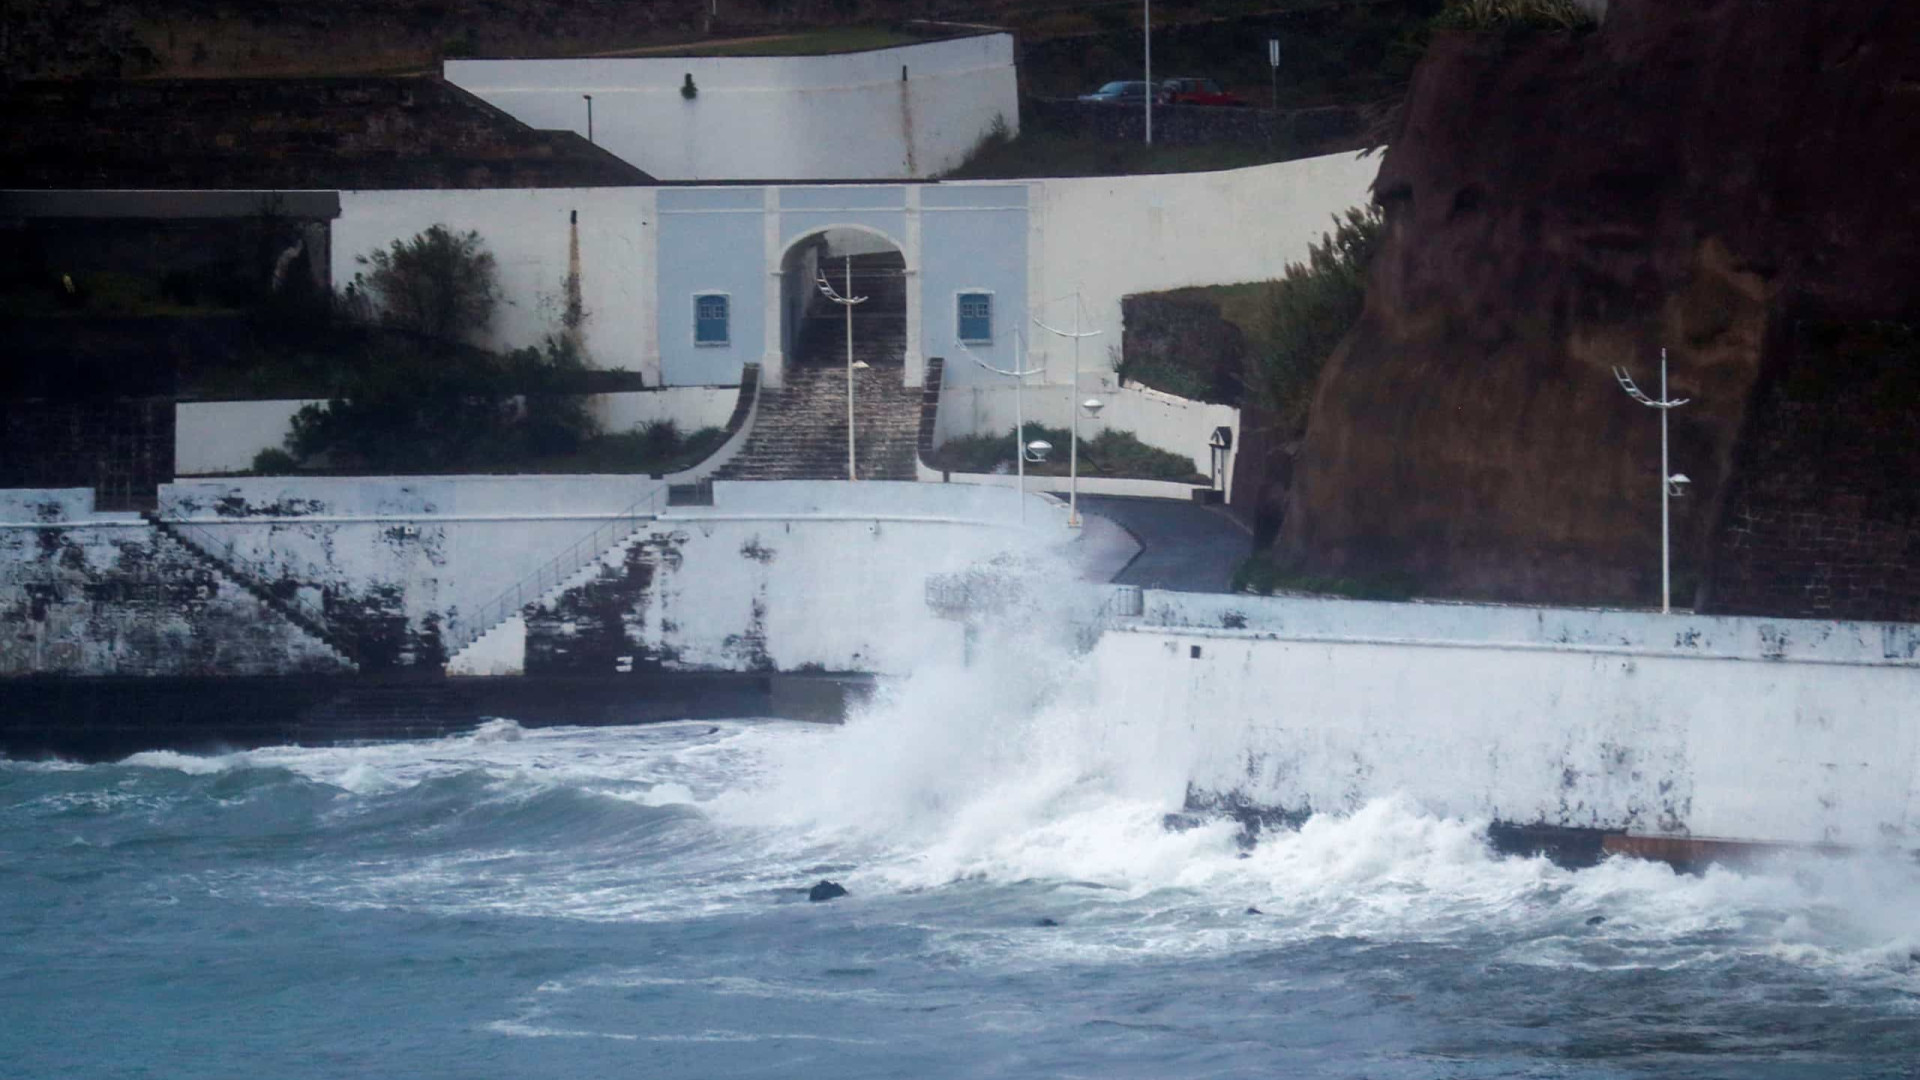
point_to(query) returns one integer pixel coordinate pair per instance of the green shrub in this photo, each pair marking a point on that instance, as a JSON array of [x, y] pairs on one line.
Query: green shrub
[[1308, 311], [1560, 16], [427, 409], [439, 284], [273, 462]]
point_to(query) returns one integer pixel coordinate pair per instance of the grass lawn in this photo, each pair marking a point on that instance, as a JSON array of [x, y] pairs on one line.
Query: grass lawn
[[839, 39], [1042, 152]]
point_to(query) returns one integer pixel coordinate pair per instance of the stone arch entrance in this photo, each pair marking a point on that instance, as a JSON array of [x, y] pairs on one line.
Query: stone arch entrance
[[801, 427], [813, 328]]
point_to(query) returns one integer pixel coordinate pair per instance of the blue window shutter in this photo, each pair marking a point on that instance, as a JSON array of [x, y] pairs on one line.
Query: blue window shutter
[[976, 317], [710, 320]]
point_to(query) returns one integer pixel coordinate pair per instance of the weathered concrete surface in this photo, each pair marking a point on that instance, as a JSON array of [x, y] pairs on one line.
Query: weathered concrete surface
[[83, 593], [1774, 731]]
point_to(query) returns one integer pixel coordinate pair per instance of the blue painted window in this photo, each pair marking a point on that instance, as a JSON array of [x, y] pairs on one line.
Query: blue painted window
[[976, 316], [710, 320]]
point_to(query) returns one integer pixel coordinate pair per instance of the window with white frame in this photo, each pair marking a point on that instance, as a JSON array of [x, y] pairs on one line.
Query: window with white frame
[[710, 319], [976, 316]]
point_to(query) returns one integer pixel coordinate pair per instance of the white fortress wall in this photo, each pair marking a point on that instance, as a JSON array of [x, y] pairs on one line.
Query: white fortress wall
[[527, 231], [222, 437], [1111, 236], [1777, 730], [425, 550], [819, 574], [1163, 420], [910, 111]]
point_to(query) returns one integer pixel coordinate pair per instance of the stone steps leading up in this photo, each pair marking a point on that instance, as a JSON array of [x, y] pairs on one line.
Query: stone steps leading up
[[800, 432]]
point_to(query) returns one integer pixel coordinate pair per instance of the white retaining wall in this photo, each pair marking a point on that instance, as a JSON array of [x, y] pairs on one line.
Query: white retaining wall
[[1110, 236], [911, 111], [222, 437], [1746, 729], [528, 231], [1163, 420]]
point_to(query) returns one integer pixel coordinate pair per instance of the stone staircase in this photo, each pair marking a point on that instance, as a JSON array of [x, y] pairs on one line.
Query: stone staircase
[[800, 432], [203, 549]]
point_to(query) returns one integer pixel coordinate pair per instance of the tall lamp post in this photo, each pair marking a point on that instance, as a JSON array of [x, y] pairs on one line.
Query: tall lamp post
[[1146, 28], [1021, 447], [848, 302], [1671, 484], [1073, 451]]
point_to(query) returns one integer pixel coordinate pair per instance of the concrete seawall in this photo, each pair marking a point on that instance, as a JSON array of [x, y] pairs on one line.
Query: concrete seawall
[[1635, 724]]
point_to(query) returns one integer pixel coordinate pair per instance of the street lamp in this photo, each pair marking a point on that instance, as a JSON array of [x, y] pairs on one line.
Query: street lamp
[[847, 301], [1019, 376], [1073, 452], [1671, 483], [1146, 27]]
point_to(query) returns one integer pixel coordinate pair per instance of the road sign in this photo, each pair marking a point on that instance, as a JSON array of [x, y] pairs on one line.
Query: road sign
[[1273, 51]]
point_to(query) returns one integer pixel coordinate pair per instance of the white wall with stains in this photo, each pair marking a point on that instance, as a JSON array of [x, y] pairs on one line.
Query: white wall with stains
[[1746, 729], [910, 111]]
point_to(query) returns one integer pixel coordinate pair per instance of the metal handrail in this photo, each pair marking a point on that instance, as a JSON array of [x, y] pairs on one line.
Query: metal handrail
[[556, 570], [226, 552]]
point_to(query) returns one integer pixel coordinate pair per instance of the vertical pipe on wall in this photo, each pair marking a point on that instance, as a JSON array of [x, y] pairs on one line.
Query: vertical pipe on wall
[[1146, 26]]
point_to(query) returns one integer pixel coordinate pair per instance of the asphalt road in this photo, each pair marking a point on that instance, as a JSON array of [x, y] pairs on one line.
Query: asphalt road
[[1184, 546]]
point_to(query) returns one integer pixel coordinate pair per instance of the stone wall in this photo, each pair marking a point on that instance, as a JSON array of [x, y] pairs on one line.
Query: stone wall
[[1180, 344], [1823, 517], [283, 133], [121, 449], [1296, 132], [84, 593]]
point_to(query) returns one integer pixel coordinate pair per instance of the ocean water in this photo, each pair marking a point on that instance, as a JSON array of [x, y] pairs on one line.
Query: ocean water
[[631, 901]]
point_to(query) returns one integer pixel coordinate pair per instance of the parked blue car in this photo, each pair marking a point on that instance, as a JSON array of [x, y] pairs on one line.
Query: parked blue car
[[1124, 92]]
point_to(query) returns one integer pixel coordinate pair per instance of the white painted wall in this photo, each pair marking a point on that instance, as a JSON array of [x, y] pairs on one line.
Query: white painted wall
[[221, 437], [827, 573], [471, 536], [224, 436], [1659, 725], [527, 232], [1107, 237], [843, 117], [689, 407], [1163, 420]]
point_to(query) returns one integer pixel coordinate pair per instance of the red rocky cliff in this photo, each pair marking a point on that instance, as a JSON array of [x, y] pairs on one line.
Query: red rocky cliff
[[1732, 180]]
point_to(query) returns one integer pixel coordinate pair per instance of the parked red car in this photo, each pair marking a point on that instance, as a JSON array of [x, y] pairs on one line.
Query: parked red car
[[1188, 91]]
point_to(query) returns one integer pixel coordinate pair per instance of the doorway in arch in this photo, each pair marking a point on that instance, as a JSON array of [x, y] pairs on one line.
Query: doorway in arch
[[800, 430]]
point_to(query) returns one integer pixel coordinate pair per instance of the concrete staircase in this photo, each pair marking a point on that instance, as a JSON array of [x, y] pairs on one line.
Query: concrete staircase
[[800, 432], [202, 548]]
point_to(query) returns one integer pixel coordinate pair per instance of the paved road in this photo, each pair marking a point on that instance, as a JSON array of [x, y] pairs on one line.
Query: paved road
[[1185, 547]]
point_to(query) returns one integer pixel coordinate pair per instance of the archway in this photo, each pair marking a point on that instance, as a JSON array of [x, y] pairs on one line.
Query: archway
[[855, 261]]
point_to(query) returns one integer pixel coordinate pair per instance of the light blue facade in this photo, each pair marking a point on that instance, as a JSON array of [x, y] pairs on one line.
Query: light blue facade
[[973, 239], [712, 242], [733, 241]]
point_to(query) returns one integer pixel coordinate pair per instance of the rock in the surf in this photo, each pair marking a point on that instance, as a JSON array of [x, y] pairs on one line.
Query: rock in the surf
[[826, 890]]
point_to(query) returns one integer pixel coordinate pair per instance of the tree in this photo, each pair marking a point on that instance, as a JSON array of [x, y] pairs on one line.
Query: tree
[[440, 284], [1308, 311]]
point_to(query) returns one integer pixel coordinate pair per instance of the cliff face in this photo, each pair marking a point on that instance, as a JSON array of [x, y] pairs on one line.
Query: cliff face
[[1711, 177]]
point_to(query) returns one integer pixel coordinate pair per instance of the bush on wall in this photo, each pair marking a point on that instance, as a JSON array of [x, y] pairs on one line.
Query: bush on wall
[[439, 283], [1308, 311]]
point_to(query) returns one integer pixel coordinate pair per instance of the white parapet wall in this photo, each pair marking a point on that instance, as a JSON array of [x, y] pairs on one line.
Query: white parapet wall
[[529, 232], [1171, 423], [220, 438], [1776, 731], [906, 112]]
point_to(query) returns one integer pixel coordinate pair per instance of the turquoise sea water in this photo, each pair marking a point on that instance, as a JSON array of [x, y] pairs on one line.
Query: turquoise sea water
[[575, 902]]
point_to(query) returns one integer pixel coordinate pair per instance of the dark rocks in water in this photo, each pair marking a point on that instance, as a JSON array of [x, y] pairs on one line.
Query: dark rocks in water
[[1596, 920], [1046, 922], [1254, 911], [825, 890]]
